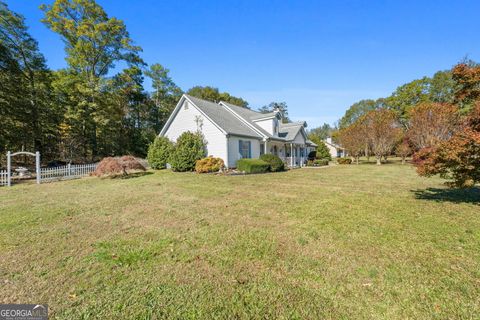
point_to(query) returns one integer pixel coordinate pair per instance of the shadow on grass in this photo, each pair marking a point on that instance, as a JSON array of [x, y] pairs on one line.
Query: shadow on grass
[[471, 195], [135, 175]]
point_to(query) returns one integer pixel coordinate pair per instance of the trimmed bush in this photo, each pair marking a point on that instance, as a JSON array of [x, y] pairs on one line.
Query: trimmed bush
[[118, 166], [322, 151], [320, 162], [209, 164], [276, 164], [344, 160], [189, 148], [252, 166], [317, 163], [158, 152]]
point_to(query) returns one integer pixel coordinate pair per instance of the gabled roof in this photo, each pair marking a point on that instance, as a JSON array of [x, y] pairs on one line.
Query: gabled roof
[[236, 120], [223, 118], [249, 116], [333, 144], [289, 131]]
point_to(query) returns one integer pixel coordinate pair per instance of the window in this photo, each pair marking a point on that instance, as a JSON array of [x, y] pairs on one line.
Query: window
[[262, 148], [185, 106], [245, 149]]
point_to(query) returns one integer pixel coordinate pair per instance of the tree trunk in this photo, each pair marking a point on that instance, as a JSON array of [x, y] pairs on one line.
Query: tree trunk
[[379, 160], [356, 159], [403, 160]]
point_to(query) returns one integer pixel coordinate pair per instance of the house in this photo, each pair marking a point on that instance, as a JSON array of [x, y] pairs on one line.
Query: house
[[336, 151], [233, 132]]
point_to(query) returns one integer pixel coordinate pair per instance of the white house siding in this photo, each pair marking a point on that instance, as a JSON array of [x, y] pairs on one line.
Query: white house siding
[[234, 152], [186, 120], [299, 139], [332, 150], [266, 125]]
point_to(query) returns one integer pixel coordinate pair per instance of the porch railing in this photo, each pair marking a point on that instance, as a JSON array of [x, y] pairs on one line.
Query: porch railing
[[297, 161]]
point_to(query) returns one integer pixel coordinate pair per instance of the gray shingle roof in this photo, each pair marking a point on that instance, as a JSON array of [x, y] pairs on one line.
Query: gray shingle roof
[[223, 118], [289, 130], [230, 123], [250, 115]]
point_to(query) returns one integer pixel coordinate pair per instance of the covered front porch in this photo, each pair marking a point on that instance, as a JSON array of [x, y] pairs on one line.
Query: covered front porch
[[293, 154]]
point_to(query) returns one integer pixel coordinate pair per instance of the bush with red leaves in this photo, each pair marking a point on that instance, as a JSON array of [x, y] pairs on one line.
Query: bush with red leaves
[[457, 158], [112, 167]]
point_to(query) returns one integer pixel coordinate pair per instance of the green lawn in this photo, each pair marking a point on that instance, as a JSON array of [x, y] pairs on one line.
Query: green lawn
[[345, 242]]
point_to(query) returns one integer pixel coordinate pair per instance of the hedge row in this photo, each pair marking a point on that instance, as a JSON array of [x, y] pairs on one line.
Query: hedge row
[[253, 166]]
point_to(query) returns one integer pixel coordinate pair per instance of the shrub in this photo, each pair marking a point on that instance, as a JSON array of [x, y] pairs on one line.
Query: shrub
[[111, 167], [322, 151], [276, 164], [209, 164], [252, 166], [344, 160], [320, 162], [158, 152], [317, 162], [189, 148]]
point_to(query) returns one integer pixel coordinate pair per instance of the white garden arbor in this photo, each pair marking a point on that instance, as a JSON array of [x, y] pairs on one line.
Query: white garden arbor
[[9, 164]]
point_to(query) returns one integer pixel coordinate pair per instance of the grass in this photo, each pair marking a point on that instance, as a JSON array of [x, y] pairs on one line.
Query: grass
[[346, 242]]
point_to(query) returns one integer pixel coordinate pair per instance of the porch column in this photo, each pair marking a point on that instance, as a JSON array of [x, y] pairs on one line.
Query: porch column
[[291, 155], [266, 148]]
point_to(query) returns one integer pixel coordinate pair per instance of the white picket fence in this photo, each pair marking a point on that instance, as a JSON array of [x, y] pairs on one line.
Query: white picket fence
[[66, 172], [3, 178]]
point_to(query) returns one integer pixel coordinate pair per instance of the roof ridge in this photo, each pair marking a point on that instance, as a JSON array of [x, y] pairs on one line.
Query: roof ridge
[[201, 99]]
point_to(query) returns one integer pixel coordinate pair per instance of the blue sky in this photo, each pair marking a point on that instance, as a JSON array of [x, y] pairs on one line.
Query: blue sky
[[318, 56]]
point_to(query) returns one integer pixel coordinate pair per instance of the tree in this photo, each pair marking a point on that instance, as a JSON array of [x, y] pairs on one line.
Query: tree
[[159, 151], [456, 158], [322, 151], [353, 138], [408, 96], [280, 106], [442, 87], [131, 107], [403, 150], [189, 148], [165, 95], [94, 43], [357, 110], [212, 94], [31, 111], [467, 78], [431, 123], [382, 130], [12, 94], [321, 133]]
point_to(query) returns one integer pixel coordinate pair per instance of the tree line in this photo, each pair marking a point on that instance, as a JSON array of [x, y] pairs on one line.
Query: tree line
[[434, 119], [92, 108]]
